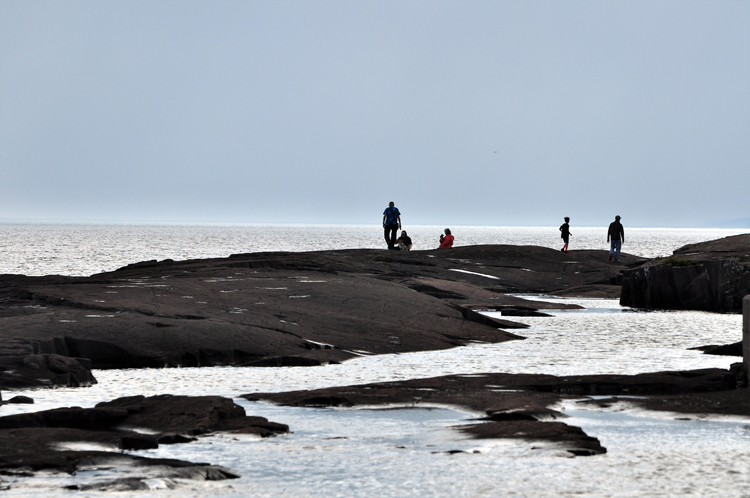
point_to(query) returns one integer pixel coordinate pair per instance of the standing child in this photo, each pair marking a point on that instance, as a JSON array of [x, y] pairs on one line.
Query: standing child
[[565, 234]]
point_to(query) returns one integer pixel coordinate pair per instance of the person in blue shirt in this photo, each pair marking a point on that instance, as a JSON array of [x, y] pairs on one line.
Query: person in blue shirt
[[391, 224]]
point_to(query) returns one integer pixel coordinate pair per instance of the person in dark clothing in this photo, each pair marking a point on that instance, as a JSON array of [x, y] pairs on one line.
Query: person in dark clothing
[[391, 224], [565, 233], [616, 237], [404, 241]]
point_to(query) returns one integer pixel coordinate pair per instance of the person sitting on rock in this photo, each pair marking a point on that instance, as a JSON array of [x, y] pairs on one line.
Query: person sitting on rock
[[447, 241], [404, 241]]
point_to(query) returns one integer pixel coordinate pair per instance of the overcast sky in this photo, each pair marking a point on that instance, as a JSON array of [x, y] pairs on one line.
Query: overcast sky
[[462, 112]]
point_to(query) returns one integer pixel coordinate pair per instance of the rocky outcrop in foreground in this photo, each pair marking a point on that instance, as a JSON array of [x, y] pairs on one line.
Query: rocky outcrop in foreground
[[46, 440], [44, 370], [710, 276], [516, 406], [290, 309]]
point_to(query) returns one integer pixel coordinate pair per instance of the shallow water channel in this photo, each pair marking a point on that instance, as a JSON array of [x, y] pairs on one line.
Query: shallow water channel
[[403, 451]]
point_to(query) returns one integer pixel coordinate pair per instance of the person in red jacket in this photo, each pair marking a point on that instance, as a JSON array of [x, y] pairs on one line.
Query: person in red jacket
[[447, 241]]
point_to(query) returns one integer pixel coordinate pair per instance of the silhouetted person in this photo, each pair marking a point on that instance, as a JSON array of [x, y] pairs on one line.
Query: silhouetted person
[[565, 233], [404, 241], [447, 241], [391, 224], [615, 236]]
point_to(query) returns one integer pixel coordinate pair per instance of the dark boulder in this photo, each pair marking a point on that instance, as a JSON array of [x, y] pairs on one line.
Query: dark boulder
[[20, 400], [710, 276], [569, 437], [707, 286], [44, 370], [734, 349], [72, 418], [188, 415]]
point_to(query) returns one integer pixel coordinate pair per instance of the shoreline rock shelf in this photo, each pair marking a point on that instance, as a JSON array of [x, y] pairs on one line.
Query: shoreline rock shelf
[[32, 442], [278, 309], [520, 406], [710, 276], [294, 309]]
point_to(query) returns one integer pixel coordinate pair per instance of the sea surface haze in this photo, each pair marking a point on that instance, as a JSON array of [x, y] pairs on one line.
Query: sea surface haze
[[85, 249]]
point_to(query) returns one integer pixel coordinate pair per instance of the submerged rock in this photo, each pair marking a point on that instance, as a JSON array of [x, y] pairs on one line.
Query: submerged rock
[[515, 405], [734, 349], [159, 477]]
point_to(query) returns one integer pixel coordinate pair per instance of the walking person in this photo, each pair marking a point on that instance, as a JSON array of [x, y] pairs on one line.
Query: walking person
[[616, 237], [391, 224], [565, 234]]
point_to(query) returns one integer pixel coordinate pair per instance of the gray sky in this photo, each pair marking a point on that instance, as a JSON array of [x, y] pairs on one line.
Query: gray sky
[[474, 113]]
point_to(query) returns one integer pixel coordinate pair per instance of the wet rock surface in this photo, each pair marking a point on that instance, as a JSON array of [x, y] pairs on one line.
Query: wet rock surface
[[731, 403], [279, 309], [710, 276], [47, 440], [516, 405], [44, 370], [734, 349]]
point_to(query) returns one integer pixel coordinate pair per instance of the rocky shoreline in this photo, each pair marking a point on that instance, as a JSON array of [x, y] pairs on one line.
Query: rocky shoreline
[[303, 309], [41, 441], [288, 309], [520, 406], [709, 276]]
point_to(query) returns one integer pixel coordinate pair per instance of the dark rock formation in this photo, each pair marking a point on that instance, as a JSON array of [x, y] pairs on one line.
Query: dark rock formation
[[734, 349], [277, 309], [167, 475], [517, 404], [571, 437], [190, 415], [711, 276], [731, 402], [44, 370], [18, 400], [40, 440]]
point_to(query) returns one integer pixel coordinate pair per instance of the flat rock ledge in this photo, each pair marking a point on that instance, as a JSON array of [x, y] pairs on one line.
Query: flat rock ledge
[[734, 349], [44, 370], [45, 440], [292, 309], [516, 406]]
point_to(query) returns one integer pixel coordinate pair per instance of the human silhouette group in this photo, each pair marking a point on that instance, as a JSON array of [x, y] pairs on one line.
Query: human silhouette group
[[392, 224]]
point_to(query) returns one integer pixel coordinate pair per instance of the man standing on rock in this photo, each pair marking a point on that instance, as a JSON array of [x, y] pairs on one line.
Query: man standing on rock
[[615, 236], [391, 224]]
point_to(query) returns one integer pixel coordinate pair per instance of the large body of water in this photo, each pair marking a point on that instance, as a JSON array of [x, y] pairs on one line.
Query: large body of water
[[84, 249], [402, 452]]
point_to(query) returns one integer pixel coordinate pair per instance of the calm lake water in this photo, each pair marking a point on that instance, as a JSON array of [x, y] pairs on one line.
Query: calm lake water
[[401, 452], [85, 249]]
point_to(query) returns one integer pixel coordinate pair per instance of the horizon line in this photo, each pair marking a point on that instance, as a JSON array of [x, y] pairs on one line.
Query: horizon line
[[19, 221]]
